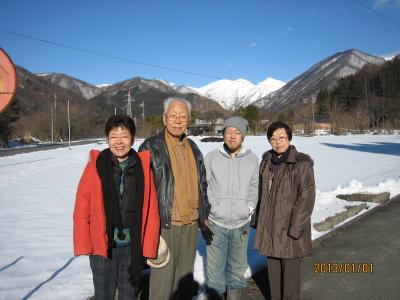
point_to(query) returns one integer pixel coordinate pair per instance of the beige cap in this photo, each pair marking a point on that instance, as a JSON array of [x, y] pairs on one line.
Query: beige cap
[[162, 255]]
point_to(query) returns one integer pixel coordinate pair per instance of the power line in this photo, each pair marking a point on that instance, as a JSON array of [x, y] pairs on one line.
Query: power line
[[108, 55], [377, 13]]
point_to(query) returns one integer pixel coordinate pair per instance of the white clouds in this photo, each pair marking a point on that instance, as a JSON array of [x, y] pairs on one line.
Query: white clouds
[[288, 30], [253, 44], [380, 4], [257, 41]]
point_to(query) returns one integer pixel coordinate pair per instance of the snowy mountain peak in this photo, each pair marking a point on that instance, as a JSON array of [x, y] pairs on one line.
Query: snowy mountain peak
[[270, 81], [78, 86], [45, 74], [240, 92], [103, 85]]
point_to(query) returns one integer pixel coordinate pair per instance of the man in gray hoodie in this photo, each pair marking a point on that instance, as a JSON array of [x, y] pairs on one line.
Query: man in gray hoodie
[[232, 177]]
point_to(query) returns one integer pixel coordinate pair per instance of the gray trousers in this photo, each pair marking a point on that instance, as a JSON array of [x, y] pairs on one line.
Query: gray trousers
[[284, 278], [110, 274], [175, 280]]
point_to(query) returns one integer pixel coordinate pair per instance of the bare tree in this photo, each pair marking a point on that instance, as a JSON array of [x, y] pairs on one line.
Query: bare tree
[[378, 111]]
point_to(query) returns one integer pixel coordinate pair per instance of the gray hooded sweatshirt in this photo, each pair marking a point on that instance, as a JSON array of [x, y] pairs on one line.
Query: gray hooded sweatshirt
[[232, 186]]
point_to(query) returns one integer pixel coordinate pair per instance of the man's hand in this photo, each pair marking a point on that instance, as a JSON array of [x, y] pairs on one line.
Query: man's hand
[[207, 233]]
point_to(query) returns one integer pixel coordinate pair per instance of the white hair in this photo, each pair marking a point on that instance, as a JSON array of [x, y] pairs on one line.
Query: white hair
[[169, 100]]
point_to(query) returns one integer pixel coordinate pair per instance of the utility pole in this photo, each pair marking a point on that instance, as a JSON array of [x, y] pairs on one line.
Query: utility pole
[[142, 106], [69, 129], [313, 100], [55, 114], [129, 106], [52, 126]]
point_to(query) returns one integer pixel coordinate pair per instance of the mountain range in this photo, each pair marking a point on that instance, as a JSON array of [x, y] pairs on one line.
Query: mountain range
[[93, 104], [230, 94], [41, 103], [270, 94], [325, 74]]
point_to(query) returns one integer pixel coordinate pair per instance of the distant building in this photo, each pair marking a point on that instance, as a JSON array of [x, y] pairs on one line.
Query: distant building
[[203, 127]]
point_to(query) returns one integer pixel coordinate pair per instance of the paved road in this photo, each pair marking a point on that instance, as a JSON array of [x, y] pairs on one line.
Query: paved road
[[365, 256], [360, 260], [8, 152]]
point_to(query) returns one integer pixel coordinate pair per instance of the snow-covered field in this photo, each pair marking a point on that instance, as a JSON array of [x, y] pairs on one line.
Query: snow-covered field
[[37, 192]]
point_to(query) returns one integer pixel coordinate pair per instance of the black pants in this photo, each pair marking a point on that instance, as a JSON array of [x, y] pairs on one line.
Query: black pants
[[110, 274], [284, 278]]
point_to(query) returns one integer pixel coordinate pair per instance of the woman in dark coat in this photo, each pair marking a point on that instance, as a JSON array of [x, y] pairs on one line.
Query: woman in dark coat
[[287, 196]]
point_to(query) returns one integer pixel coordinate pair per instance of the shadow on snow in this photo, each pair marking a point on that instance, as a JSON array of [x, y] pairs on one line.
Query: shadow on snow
[[10, 264], [379, 148], [49, 279]]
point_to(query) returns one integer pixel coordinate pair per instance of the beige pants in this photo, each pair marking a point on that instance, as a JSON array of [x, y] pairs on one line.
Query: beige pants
[[175, 280]]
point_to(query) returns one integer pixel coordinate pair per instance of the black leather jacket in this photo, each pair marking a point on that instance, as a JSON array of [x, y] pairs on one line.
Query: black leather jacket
[[164, 179]]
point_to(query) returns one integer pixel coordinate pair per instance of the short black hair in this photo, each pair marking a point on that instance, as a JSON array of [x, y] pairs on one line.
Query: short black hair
[[278, 125], [120, 121]]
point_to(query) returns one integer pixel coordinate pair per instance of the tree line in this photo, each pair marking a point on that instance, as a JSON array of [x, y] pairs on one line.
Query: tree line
[[367, 100]]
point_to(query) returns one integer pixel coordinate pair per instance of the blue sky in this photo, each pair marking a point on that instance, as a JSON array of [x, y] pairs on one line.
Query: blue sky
[[220, 39]]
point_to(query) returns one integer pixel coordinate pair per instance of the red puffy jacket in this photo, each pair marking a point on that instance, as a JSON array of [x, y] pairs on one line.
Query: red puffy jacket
[[90, 235]]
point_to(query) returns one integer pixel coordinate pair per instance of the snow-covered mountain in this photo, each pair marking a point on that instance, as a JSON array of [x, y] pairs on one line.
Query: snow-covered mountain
[[103, 85], [231, 94], [323, 74], [180, 88], [80, 87], [264, 88]]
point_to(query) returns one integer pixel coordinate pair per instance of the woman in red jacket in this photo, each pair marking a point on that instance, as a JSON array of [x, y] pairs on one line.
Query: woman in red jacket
[[116, 219]]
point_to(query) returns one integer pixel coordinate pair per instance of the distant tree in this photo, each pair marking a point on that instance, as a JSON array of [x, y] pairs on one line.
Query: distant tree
[[288, 117], [154, 124], [322, 99], [195, 114], [306, 112], [378, 110], [212, 115], [330, 105], [252, 114], [361, 118]]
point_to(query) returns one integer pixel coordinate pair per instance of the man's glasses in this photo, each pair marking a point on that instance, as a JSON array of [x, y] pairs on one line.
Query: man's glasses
[[175, 118]]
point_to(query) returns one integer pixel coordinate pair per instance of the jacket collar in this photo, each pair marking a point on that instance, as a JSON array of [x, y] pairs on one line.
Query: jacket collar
[[292, 154], [243, 151], [132, 160], [291, 158], [163, 132], [161, 141]]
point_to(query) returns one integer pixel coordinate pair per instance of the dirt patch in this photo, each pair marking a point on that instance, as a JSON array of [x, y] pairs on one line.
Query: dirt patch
[[375, 198], [332, 221]]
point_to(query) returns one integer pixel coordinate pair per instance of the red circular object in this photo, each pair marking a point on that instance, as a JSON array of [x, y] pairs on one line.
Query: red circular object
[[8, 80]]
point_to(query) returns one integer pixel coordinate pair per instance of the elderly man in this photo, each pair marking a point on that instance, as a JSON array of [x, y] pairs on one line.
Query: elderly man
[[232, 177], [181, 186]]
